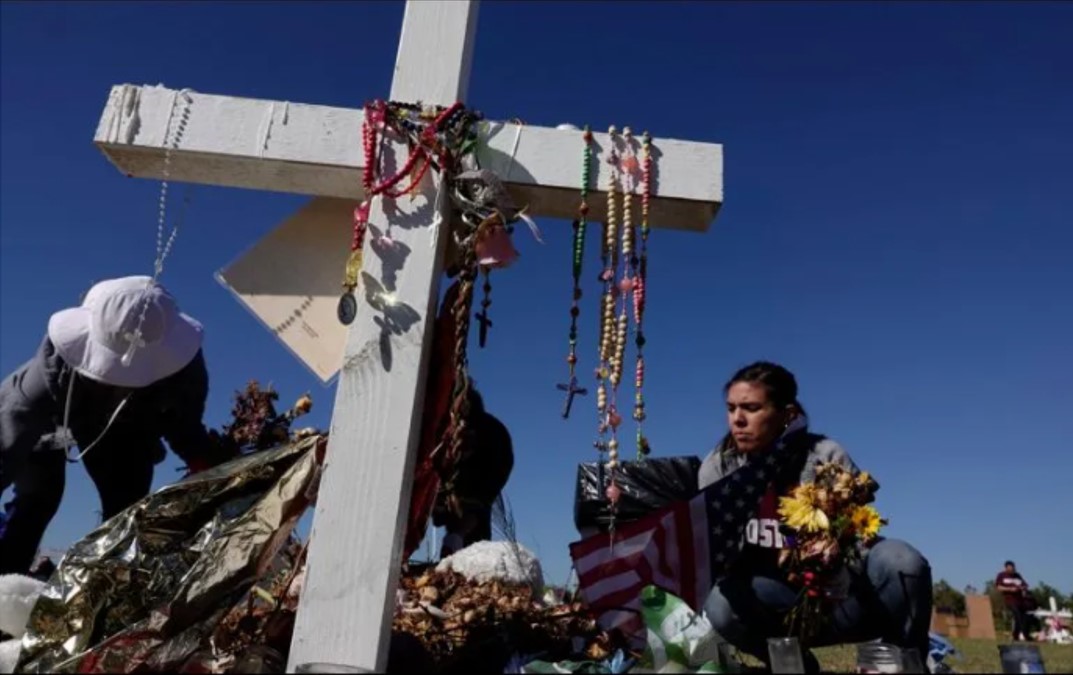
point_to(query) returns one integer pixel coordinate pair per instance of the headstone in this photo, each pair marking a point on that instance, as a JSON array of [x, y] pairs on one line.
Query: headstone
[[981, 620]]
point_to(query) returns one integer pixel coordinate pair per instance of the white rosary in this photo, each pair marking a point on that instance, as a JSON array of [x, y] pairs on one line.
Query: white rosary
[[134, 338]]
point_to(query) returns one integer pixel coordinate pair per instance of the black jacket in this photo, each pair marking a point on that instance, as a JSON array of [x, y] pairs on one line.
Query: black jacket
[[170, 409]]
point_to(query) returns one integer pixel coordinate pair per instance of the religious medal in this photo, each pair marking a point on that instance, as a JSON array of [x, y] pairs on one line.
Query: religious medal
[[348, 304]]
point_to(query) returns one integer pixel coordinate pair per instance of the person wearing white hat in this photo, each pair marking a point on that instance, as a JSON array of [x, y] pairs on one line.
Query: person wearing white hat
[[113, 377]]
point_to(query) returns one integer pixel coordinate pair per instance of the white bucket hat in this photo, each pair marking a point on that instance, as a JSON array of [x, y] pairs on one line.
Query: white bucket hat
[[94, 337]]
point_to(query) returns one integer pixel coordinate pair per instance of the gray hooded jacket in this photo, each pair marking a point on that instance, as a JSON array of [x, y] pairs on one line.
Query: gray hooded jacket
[[725, 460]]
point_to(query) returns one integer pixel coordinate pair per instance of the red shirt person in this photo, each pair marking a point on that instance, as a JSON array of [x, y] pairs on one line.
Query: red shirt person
[[1014, 591]]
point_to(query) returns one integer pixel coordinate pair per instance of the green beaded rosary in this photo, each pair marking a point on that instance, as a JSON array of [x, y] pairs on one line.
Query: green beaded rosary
[[571, 386]]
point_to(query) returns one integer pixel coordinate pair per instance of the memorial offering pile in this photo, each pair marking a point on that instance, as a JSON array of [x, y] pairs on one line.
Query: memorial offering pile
[[485, 606]]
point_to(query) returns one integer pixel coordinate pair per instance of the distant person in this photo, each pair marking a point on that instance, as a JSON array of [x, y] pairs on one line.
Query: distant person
[[1015, 594], [889, 598], [484, 466], [112, 377]]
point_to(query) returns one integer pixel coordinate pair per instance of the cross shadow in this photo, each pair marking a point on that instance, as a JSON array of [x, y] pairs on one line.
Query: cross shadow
[[389, 165], [396, 317], [392, 256]]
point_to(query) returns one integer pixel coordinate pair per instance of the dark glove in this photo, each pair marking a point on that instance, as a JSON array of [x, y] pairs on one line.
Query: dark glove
[[198, 465], [220, 450]]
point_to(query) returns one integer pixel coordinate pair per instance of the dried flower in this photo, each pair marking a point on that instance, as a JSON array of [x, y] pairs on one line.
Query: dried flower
[[826, 520], [304, 404], [866, 522], [802, 512]]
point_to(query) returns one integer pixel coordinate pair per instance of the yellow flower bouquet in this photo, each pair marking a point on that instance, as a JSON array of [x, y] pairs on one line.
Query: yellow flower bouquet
[[828, 524]]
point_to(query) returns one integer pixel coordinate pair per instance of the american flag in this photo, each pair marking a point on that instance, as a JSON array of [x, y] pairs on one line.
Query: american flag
[[682, 548]]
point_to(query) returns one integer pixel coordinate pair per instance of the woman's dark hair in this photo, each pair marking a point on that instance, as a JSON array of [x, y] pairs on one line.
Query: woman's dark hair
[[781, 385]]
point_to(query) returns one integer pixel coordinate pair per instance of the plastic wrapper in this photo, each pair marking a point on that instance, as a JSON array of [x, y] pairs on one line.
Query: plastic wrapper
[[148, 588], [647, 485], [618, 663], [679, 640]]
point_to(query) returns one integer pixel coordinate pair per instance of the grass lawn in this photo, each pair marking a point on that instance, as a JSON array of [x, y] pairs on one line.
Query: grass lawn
[[977, 656]]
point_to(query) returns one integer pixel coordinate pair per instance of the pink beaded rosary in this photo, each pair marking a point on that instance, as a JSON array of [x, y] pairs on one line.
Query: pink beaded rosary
[[640, 282], [425, 126]]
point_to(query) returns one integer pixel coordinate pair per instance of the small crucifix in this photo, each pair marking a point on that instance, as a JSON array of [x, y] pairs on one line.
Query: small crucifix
[[571, 389], [486, 323], [134, 342]]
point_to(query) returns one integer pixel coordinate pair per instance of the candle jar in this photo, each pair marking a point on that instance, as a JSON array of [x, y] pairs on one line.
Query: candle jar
[[785, 655], [878, 657]]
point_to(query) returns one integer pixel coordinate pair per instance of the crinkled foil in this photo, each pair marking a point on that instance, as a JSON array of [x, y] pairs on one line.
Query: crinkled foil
[[148, 588]]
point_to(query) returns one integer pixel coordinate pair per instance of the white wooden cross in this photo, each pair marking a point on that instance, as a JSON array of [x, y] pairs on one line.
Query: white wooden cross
[[1048, 630], [359, 523]]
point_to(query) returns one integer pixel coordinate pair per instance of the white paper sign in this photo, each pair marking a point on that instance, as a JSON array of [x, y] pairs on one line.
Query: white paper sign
[[292, 278]]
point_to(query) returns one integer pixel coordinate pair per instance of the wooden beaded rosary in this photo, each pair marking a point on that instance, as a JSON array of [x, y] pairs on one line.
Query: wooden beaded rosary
[[624, 275]]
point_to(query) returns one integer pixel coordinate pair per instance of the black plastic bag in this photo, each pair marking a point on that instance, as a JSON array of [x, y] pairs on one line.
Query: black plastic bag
[[647, 486]]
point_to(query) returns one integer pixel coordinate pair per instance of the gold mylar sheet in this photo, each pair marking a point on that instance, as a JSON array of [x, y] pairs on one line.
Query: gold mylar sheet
[[145, 589]]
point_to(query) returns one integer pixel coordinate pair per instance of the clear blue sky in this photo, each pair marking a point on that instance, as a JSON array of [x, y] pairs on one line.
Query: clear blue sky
[[897, 229]]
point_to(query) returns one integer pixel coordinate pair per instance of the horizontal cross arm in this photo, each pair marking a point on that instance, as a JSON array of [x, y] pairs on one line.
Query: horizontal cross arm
[[317, 150]]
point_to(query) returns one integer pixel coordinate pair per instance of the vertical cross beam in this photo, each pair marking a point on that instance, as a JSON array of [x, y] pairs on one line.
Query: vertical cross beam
[[348, 597]]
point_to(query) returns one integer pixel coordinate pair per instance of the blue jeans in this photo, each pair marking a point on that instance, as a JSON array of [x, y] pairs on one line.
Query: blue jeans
[[891, 600]]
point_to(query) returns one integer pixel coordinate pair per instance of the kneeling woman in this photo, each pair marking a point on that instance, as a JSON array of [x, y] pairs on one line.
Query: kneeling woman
[[890, 598]]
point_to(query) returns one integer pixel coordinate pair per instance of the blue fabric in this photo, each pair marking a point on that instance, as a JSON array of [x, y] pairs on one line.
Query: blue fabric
[[890, 599]]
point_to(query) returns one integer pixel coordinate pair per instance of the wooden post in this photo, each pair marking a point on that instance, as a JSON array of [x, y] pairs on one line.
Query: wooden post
[[348, 598]]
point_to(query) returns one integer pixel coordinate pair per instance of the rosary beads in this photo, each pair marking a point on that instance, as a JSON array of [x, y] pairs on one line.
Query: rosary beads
[[640, 282], [609, 418], [571, 386], [432, 133], [486, 302], [624, 276]]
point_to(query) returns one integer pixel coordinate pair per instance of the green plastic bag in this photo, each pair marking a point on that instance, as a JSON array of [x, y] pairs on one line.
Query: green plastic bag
[[679, 639]]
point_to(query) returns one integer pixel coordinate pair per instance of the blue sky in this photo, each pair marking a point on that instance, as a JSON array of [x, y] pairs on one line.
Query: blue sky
[[896, 229]]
